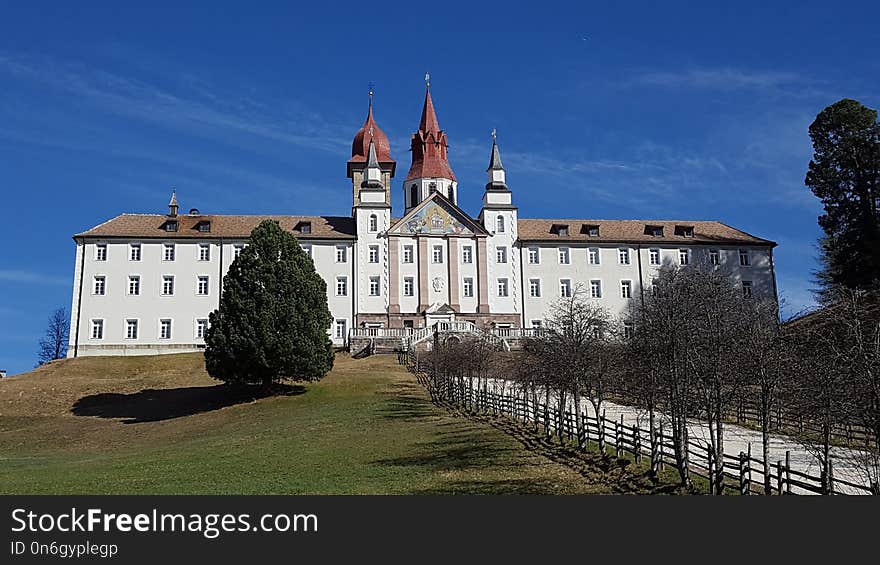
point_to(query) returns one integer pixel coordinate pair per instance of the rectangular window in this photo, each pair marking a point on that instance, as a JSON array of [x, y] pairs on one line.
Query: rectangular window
[[307, 248], [339, 331], [168, 254], [134, 252], [747, 289], [534, 287], [131, 329], [97, 329], [374, 286], [468, 288], [408, 286], [134, 285], [565, 288], [202, 287], [467, 254], [100, 287], [595, 289], [341, 286], [564, 256], [684, 256], [168, 285], [204, 252], [593, 257], [236, 251], [502, 287], [101, 252], [655, 286], [626, 289], [407, 253], [534, 255], [536, 324], [374, 254], [744, 259], [627, 330], [437, 255], [501, 254], [165, 329], [654, 257], [623, 256], [201, 328], [714, 257], [341, 255]]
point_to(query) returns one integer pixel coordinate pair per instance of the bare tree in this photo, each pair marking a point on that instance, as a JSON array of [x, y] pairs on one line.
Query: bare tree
[[765, 361], [53, 345]]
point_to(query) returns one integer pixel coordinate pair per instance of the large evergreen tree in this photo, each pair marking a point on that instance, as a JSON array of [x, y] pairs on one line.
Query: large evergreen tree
[[273, 316], [845, 174]]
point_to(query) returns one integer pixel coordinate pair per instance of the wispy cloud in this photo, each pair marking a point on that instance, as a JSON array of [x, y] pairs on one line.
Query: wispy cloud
[[198, 111], [32, 277], [718, 79]]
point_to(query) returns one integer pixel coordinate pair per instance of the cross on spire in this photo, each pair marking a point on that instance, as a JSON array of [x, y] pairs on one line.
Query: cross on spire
[[494, 135], [427, 80]]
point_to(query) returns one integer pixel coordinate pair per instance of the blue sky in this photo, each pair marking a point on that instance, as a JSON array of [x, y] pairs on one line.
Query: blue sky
[[603, 110]]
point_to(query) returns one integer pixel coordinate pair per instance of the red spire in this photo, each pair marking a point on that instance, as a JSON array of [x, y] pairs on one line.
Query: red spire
[[429, 116], [429, 145]]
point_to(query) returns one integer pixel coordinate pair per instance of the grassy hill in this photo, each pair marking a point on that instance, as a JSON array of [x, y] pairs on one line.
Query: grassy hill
[[161, 425]]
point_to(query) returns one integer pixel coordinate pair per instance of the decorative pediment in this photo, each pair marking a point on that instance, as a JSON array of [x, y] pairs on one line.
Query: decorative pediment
[[436, 216]]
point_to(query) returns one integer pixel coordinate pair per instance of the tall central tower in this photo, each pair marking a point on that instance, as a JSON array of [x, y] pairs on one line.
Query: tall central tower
[[430, 170]]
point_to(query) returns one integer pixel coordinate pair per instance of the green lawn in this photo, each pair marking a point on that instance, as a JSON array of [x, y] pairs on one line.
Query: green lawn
[[161, 425]]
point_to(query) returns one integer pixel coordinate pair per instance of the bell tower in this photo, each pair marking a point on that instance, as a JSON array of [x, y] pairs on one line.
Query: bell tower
[[430, 170], [357, 165]]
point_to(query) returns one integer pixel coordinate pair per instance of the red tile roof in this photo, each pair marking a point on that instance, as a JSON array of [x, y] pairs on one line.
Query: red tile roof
[[152, 225], [633, 231]]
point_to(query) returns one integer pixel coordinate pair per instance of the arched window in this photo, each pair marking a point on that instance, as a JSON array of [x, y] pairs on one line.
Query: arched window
[[413, 195], [374, 223], [499, 224]]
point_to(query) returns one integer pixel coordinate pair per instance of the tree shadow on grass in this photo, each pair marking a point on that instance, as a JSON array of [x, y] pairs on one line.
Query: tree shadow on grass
[[153, 405], [404, 403]]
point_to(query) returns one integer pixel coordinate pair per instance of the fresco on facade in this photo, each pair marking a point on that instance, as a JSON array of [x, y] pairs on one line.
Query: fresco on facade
[[434, 219]]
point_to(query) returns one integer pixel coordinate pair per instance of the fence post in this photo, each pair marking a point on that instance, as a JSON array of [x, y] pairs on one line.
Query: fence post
[[749, 469], [617, 442], [788, 472], [779, 477], [652, 437], [638, 443], [662, 463], [601, 432], [743, 484], [710, 469], [830, 476]]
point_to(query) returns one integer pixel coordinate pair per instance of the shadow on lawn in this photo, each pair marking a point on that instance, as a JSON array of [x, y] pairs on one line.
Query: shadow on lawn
[[152, 405]]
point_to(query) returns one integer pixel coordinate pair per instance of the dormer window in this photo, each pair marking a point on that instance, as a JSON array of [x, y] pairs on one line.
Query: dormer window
[[204, 227], [303, 227], [684, 231], [171, 225], [591, 230], [560, 229], [655, 231]]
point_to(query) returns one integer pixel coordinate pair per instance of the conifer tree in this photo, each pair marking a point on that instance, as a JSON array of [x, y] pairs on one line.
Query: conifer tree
[[273, 316]]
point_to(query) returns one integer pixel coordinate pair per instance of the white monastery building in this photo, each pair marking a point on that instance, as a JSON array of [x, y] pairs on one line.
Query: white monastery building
[[145, 283]]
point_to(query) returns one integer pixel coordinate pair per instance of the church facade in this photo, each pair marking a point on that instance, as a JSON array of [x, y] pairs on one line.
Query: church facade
[[145, 283]]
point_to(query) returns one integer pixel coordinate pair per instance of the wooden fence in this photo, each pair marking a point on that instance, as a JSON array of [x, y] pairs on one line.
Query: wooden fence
[[743, 474]]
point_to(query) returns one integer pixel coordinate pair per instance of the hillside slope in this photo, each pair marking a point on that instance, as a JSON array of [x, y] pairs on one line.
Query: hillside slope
[[161, 425]]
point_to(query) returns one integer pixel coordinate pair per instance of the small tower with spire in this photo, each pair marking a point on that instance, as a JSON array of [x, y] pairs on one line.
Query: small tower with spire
[[498, 213], [430, 170], [356, 169], [173, 206]]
